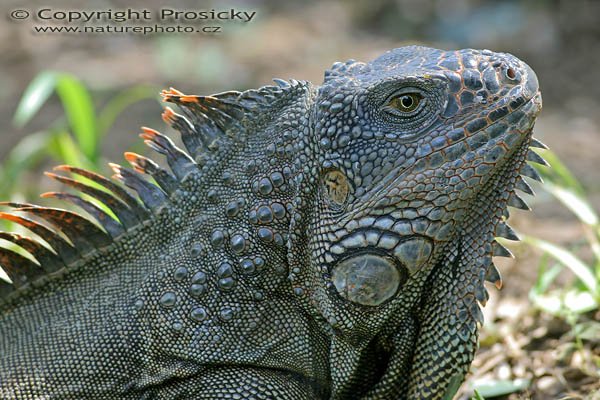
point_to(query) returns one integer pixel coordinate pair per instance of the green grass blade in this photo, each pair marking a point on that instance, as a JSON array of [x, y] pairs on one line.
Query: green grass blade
[[574, 202], [558, 173], [81, 115], [477, 396], [27, 153], [65, 150], [35, 95], [500, 387], [582, 210], [545, 278], [569, 260]]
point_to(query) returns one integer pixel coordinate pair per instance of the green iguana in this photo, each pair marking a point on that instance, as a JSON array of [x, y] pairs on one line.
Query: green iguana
[[326, 242]]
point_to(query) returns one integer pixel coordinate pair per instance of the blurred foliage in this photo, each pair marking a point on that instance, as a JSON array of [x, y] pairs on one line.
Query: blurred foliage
[[500, 387], [556, 37], [571, 302], [584, 294], [74, 138]]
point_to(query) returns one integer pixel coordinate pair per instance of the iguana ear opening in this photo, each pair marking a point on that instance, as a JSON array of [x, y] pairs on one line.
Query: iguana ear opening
[[336, 189]]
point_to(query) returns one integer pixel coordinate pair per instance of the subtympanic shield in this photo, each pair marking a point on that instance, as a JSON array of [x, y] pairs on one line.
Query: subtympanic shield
[[367, 279]]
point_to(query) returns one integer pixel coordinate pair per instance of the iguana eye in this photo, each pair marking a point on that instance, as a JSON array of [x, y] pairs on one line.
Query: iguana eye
[[405, 108], [405, 102]]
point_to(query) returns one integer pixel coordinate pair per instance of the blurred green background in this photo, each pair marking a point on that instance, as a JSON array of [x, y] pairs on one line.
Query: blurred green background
[[86, 95]]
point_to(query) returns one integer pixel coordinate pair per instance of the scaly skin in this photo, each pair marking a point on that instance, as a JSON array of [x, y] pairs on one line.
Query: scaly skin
[[326, 242]]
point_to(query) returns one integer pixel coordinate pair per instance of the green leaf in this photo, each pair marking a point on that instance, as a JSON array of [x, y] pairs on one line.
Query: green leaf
[[79, 109], [76, 102], [545, 278], [569, 260], [588, 330], [453, 386], [579, 302], [558, 173], [551, 303], [36, 94], [492, 388], [564, 303], [574, 202], [27, 153], [3, 275], [477, 396], [63, 148]]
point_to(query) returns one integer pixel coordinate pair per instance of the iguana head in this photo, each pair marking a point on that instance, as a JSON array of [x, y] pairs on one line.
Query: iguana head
[[418, 152]]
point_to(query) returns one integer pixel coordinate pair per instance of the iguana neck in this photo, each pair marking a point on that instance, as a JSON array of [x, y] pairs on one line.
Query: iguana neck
[[225, 203]]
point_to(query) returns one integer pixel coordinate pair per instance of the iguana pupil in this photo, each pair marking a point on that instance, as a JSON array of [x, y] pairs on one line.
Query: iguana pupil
[[406, 102]]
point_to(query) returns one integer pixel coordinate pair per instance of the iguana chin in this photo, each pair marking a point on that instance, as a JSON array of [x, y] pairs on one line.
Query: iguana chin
[[312, 242]]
